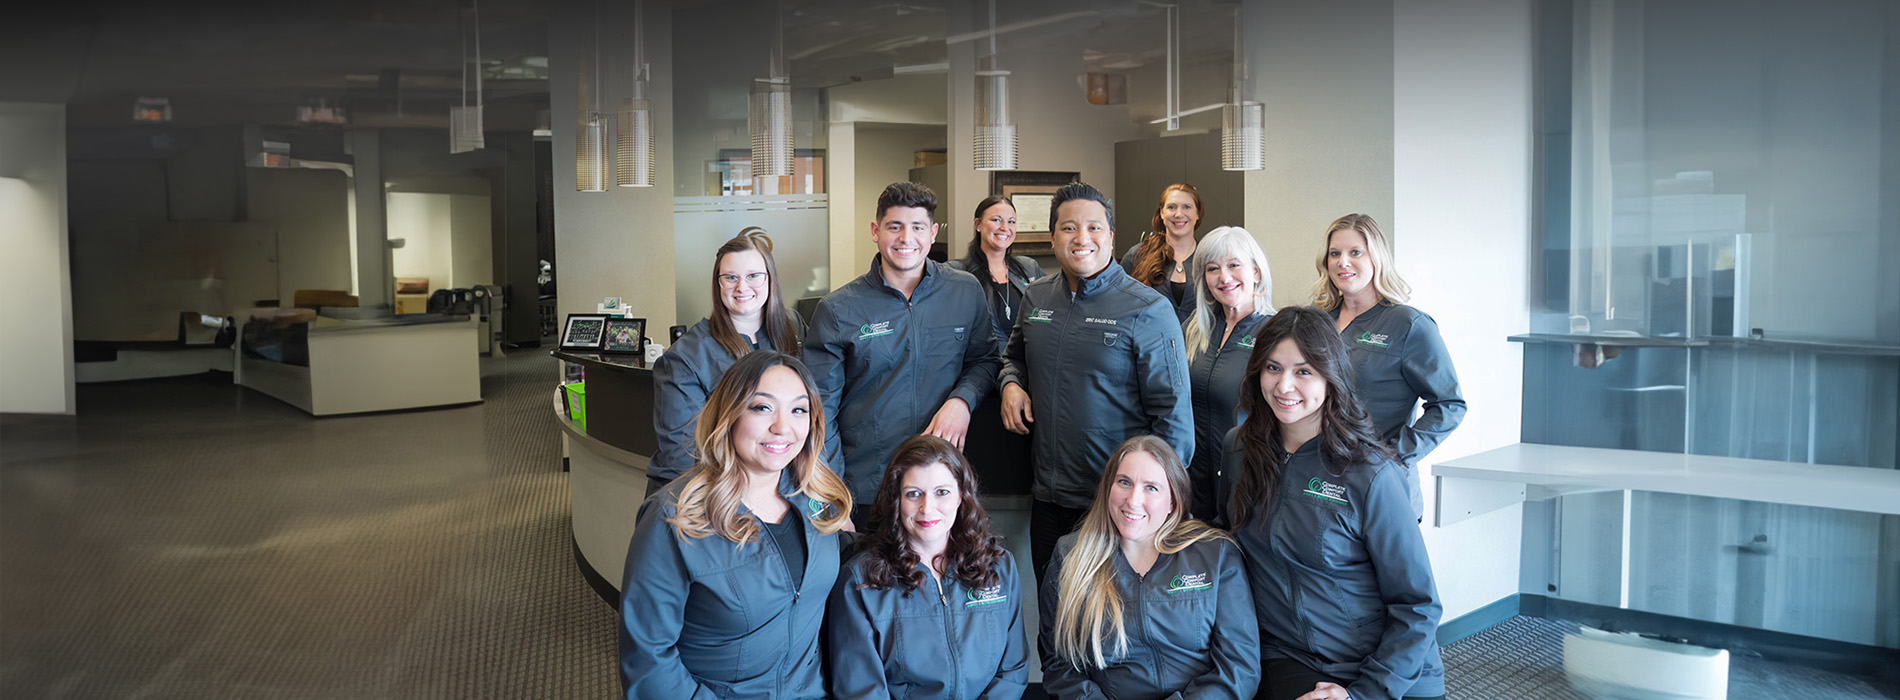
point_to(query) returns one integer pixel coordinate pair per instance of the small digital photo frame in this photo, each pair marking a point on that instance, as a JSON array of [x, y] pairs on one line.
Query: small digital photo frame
[[625, 336], [583, 331]]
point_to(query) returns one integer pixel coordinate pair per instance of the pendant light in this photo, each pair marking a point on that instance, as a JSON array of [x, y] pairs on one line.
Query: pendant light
[[465, 121], [633, 146], [1243, 124], [590, 147], [995, 138], [771, 111]]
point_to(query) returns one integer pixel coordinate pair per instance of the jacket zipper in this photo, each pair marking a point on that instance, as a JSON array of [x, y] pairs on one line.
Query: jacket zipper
[[791, 629], [949, 635]]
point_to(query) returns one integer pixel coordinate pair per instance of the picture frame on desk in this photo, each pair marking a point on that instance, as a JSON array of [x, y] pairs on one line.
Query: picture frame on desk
[[584, 332], [624, 336]]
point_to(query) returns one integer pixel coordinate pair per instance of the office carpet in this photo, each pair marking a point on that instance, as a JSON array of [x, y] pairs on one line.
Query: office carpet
[[185, 538]]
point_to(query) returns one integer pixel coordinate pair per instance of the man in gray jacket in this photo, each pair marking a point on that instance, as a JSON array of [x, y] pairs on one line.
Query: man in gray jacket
[[1103, 359], [901, 350]]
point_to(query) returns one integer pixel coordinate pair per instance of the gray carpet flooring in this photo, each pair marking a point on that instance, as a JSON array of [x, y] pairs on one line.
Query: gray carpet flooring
[[185, 538]]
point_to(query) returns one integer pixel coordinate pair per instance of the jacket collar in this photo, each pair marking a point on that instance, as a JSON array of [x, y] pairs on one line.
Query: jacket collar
[[876, 275], [1108, 277]]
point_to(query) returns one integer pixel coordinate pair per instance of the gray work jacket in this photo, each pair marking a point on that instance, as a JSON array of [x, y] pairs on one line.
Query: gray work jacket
[[1184, 306], [1215, 375], [1190, 627], [1021, 271], [1101, 364], [949, 642], [885, 364], [682, 379], [1398, 359], [1341, 580], [704, 618]]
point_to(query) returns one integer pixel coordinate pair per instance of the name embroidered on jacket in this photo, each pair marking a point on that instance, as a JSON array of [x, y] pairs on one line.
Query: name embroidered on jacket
[[1374, 339], [873, 330], [1092, 319], [1182, 583], [1326, 491], [986, 596]]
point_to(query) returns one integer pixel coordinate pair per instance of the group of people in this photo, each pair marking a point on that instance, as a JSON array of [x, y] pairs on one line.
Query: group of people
[[1224, 503]]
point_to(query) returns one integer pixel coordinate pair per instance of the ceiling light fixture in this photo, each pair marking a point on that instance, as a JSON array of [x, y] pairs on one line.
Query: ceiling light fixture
[[633, 145], [994, 143], [465, 121], [1174, 66], [771, 110], [590, 146], [1243, 124]]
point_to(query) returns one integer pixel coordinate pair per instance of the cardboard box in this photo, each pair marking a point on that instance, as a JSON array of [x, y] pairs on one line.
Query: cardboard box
[[925, 159]]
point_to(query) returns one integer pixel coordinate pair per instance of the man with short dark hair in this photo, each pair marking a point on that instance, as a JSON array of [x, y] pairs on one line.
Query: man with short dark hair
[[1104, 359], [903, 349]]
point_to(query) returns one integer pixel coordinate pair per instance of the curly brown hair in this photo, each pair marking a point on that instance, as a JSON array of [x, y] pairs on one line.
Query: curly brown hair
[[974, 552]]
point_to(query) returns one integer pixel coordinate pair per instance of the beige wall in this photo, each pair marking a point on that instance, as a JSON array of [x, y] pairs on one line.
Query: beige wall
[[1462, 190], [310, 210], [1329, 129], [618, 242], [36, 349]]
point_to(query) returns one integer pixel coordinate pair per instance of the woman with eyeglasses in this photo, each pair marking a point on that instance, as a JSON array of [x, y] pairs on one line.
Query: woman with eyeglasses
[[748, 314]]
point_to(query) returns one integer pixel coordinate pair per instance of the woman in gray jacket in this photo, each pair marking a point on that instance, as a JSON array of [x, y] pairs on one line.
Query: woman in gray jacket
[[729, 566], [1141, 602], [748, 313], [929, 605], [1397, 353], [1341, 581], [1004, 275]]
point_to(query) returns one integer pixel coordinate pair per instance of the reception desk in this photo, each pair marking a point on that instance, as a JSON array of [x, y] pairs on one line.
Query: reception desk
[[363, 365]]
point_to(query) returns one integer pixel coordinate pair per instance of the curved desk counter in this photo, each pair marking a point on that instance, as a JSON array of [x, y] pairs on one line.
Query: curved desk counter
[[607, 462]]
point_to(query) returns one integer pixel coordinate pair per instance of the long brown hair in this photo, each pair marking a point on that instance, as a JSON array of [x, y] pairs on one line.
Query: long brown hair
[[709, 503], [777, 326], [1089, 608], [974, 552], [1152, 255], [1346, 436], [1385, 276]]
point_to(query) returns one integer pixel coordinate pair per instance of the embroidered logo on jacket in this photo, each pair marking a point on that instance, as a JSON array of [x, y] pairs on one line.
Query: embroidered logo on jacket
[[1378, 340], [986, 596], [1183, 583], [1326, 491], [873, 330], [1041, 315], [1246, 341]]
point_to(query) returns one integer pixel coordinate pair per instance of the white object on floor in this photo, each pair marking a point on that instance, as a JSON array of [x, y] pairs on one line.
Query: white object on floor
[[1630, 667]]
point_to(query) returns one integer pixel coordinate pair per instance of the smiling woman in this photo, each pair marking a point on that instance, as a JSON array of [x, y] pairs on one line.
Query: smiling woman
[[745, 544], [1342, 585], [927, 534], [1141, 601]]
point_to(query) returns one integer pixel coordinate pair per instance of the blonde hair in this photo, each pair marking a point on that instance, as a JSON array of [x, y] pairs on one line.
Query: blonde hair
[[1218, 244], [1089, 608], [1385, 279], [709, 503]]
